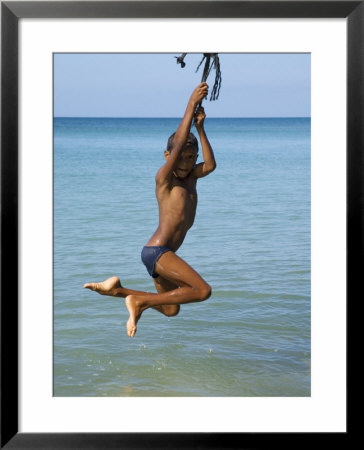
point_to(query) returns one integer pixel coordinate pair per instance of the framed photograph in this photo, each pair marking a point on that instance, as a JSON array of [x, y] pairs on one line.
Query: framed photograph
[[84, 88]]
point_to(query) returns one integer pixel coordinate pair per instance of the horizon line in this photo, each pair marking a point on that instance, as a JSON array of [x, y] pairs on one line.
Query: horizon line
[[155, 117]]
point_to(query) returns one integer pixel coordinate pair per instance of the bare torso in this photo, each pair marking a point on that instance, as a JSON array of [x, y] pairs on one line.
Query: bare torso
[[177, 209]]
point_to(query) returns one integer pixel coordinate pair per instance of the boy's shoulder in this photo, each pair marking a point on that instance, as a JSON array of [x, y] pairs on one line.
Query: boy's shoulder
[[174, 181]]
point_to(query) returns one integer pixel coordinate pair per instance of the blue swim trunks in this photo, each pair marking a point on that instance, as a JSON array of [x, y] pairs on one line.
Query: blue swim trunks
[[150, 256]]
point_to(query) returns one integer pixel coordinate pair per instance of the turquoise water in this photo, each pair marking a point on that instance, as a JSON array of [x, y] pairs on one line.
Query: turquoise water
[[250, 241]]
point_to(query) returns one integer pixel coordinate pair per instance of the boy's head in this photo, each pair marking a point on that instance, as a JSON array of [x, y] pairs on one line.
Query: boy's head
[[190, 142], [188, 156]]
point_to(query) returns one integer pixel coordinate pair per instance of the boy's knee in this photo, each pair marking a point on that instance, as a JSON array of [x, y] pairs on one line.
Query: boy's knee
[[172, 311], [205, 292]]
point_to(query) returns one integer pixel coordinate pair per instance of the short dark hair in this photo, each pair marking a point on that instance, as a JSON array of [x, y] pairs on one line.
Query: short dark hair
[[191, 141]]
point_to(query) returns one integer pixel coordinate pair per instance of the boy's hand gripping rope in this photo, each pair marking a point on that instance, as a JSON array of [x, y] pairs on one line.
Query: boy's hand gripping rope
[[207, 57]]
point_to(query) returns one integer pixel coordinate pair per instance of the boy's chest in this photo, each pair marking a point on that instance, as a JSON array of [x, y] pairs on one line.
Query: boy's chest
[[184, 194]]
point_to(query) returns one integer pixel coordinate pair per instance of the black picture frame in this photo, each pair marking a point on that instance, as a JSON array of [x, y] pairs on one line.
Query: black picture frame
[[11, 12]]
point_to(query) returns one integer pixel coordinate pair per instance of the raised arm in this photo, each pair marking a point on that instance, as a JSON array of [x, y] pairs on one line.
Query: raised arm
[[209, 164], [166, 171]]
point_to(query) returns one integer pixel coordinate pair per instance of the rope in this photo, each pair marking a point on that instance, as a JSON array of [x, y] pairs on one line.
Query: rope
[[206, 72], [207, 57]]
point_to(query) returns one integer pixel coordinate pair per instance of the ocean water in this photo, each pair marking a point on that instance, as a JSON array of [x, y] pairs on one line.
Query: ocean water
[[250, 241]]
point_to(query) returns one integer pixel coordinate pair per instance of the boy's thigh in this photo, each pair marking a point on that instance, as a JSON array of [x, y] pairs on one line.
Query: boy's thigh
[[163, 285], [175, 270]]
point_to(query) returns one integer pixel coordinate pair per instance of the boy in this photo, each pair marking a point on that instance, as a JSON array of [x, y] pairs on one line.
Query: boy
[[176, 282]]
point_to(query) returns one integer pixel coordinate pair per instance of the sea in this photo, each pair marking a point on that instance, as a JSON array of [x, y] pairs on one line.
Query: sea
[[250, 242]]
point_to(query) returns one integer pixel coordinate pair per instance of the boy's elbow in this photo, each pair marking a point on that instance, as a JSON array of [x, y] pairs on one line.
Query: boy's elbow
[[207, 169], [211, 167]]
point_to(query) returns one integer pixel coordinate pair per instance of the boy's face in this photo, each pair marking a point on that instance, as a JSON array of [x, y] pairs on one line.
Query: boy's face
[[186, 162]]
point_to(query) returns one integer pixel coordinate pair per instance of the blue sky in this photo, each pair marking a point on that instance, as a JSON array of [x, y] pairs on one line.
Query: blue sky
[[154, 85]]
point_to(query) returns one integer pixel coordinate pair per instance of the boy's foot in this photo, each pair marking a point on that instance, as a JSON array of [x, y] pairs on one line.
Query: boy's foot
[[135, 312], [107, 287]]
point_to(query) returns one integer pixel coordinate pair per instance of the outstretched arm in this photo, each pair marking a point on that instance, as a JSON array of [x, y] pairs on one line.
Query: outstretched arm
[[166, 171], [209, 163]]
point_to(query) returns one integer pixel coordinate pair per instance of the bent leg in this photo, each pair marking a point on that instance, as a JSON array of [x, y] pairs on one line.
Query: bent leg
[[113, 288], [162, 285], [192, 288]]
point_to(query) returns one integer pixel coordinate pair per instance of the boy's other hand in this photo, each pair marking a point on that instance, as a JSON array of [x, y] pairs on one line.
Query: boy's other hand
[[199, 93], [199, 118]]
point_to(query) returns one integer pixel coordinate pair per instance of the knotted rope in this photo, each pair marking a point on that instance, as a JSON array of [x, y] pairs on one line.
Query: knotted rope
[[207, 57]]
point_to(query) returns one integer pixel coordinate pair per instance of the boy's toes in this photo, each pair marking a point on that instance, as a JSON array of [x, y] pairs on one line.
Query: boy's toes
[[132, 332], [130, 329]]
